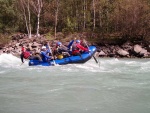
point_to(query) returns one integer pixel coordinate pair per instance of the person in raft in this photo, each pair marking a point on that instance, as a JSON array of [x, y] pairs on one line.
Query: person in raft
[[77, 48], [61, 50], [28, 55], [45, 51]]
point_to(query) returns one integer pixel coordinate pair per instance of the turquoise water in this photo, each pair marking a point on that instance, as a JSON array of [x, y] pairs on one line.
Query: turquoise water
[[116, 86]]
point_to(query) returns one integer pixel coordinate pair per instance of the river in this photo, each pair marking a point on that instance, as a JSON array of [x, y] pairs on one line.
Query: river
[[113, 86]]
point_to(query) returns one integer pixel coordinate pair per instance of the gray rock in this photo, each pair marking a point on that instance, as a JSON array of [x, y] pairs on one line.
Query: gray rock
[[123, 52], [143, 52], [1, 52], [137, 48], [101, 53]]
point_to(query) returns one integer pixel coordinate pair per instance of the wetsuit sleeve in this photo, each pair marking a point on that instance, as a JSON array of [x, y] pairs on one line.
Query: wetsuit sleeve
[[70, 44], [45, 55], [64, 48], [81, 47]]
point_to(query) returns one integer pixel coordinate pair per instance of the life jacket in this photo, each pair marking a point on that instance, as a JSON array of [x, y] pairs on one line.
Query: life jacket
[[74, 47], [75, 52], [26, 54]]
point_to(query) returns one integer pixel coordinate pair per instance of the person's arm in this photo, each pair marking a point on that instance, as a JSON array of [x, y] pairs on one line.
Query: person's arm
[[70, 44], [81, 47], [64, 48], [45, 55]]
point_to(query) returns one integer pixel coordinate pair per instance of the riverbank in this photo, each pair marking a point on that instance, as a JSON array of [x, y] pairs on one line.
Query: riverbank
[[127, 49]]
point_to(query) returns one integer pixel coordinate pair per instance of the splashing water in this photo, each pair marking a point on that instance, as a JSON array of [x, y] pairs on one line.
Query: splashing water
[[117, 86]]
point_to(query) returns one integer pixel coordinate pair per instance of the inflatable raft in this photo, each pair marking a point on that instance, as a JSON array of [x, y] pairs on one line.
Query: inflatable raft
[[68, 60]]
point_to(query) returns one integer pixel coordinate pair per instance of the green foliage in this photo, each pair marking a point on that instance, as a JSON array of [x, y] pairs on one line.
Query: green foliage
[[49, 36], [7, 15], [128, 18]]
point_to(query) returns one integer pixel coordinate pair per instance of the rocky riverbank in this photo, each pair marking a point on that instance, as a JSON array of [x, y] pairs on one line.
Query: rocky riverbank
[[127, 49]]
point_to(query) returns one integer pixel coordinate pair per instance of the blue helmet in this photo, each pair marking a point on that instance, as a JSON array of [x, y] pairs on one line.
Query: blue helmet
[[59, 43], [77, 41]]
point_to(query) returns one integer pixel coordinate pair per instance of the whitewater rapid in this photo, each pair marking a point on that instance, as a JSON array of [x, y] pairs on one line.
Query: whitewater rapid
[[113, 86], [104, 65]]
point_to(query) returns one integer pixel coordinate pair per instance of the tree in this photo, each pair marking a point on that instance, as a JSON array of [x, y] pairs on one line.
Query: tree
[[131, 18], [24, 6], [56, 15], [37, 8], [8, 17], [94, 15]]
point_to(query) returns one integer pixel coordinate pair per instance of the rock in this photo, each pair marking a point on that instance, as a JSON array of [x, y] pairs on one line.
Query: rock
[[1, 52], [17, 44], [122, 52], [148, 55], [35, 45], [143, 52], [101, 53], [148, 48], [137, 48], [37, 50], [103, 49]]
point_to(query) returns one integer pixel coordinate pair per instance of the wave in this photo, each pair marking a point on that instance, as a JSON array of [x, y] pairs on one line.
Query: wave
[[108, 65], [9, 60]]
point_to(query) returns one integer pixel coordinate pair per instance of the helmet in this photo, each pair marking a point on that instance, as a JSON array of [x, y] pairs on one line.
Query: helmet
[[59, 43], [77, 41], [43, 47]]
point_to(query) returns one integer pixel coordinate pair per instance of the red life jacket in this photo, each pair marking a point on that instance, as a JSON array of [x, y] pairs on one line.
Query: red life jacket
[[26, 54], [75, 52]]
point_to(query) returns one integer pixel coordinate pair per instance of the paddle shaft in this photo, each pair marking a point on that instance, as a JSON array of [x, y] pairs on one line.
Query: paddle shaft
[[95, 59], [52, 54], [93, 55]]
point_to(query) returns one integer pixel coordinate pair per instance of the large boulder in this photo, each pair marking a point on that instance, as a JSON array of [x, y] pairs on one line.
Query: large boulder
[[123, 53], [101, 53], [137, 48], [143, 53], [139, 51]]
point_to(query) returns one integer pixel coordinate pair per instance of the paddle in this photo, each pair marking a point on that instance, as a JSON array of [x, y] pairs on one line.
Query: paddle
[[52, 54], [93, 55], [95, 59], [23, 62], [21, 56]]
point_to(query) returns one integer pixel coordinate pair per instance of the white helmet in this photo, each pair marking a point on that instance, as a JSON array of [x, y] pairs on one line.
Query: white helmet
[[43, 47]]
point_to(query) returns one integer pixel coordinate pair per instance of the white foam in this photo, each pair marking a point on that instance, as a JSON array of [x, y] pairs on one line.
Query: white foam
[[9, 60], [106, 64], [1, 72]]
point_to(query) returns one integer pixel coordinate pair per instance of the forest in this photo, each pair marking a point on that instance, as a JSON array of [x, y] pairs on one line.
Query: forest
[[124, 19]]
